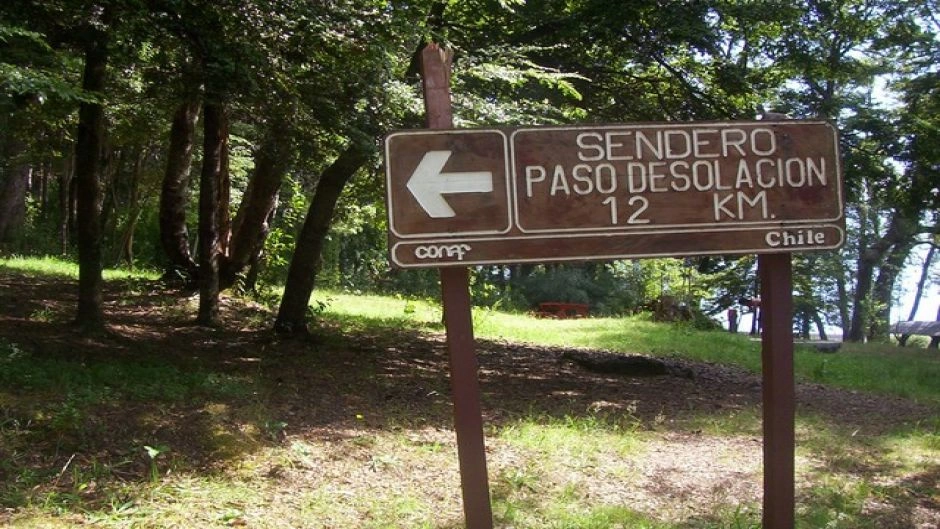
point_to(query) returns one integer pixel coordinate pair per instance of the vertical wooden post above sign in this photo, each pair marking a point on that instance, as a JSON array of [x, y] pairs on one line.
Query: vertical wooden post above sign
[[455, 290]]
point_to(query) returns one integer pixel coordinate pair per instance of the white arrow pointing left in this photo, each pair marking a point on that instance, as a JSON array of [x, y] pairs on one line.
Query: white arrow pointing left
[[428, 183]]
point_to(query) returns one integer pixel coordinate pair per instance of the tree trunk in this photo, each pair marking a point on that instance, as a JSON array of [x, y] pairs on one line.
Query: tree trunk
[[842, 292], [304, 265], [126, 246], [804, 325], [89, 145], [124, 250], [820, 326], [65, 201], [861, 302], [215, 142], [224, 198], [174, 195], [254, 271], [890, 249], [15, 173], [935, 340], [251, 222], [922, 282], [112, 161], [73, 205], [43, 184], [865, 269], [880, 326], [13, 201]]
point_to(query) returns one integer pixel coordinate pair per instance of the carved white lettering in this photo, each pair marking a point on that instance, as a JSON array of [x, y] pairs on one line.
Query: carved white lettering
[[441, 251], [533, 174], [761, 137], [584, 142], [801, 237], [700, 143], [559, 182], [745, 204], [613, 147]]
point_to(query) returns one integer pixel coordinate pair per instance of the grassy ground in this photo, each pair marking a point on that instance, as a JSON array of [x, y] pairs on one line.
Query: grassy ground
[[884, 368], [55, 267], [165, 424]]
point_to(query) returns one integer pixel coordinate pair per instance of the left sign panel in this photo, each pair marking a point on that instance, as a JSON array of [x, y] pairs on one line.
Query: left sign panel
[[443, 184]]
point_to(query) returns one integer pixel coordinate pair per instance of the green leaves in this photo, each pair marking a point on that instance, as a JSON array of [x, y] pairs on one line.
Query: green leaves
[[31, 69], [41, 86]]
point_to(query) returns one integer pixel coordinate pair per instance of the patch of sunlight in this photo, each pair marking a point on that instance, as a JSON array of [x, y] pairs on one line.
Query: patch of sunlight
[[915, 449], [56, 266], [379, 308], [575, 440], [726, 422]]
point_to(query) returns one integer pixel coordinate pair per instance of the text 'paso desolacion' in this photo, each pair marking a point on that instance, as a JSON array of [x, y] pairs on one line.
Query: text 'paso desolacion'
[[672, 175]]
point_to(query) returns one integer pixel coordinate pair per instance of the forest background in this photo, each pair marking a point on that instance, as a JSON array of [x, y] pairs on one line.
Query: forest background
[[235, 143]]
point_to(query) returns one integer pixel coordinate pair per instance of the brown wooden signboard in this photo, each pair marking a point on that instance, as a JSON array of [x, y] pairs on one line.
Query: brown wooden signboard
[[541, 194]]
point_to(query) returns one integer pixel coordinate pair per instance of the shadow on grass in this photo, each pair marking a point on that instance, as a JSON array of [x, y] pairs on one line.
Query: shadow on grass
[[867, 504], [888, 480], [78, 414]]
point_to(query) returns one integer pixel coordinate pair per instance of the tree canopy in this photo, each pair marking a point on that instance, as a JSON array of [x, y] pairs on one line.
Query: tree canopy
[[106, 108]]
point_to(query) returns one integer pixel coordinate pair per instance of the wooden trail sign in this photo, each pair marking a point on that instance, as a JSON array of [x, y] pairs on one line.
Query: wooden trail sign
[[465, 197], [538, 194]]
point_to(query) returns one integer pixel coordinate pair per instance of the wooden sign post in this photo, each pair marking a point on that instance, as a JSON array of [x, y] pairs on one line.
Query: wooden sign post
[[599, 192], [455, 294], [776, 271]]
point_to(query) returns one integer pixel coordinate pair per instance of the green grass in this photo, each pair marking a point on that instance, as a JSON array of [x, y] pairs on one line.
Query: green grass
[[581, 438], [371, 310], [906, 372], [112, 379], [881, 368], [886, 369], [567, 516], [545, 470], [57, 267]]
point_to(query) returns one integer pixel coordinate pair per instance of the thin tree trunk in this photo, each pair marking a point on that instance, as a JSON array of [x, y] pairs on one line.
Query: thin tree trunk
[[922, 282], [125, 249], [88, 153], [215, 141], [44, 176], [65, 203], [224, 199], [805, 325], [15, 172], [820, 326], [174, 194], [13, 201], [251, 276], [864, 271], [842, 291], [861, 303], [73, 204], [880, 327], [304, 265], [935, 340], [251, 226], [112, 163]]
